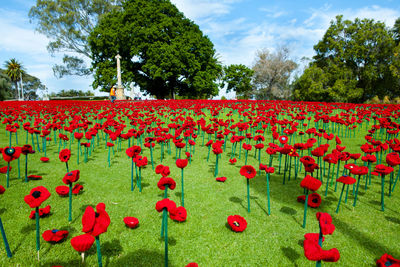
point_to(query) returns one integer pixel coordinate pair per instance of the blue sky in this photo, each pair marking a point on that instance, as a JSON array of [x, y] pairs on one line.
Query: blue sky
[[238, 28]]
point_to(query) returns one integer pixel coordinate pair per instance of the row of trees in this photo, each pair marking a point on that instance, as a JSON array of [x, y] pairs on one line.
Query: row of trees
[[14, 78], [166, 54]]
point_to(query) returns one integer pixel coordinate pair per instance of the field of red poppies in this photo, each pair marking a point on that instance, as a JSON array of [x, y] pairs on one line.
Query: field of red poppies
[[213, 183]]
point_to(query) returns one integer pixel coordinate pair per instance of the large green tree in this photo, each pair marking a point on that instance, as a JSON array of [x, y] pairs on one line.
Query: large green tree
[[162, 51], [31, 86], [68, 23], [14, 70], [237, 78], [352, 63]]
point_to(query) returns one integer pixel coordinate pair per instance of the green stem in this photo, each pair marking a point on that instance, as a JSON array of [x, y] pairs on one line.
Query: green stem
[[268, 197], [182, 195], [37, 229], [340, 199], [26, 168], [98, 251], [358, 184], [248, 194], [8, 174], [3, 234], [382, 193], [305, 210], [70, 203]]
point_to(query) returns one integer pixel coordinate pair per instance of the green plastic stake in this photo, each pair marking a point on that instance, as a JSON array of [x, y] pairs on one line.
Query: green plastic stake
[[305, 210], [182, 195], [340, 199], [70, 203], [98, 252], [3, 234], [382, 193], [248, 194], [268, 197], [355, 197]]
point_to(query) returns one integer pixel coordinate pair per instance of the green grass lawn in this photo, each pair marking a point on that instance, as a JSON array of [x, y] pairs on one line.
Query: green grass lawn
[[362, 234]]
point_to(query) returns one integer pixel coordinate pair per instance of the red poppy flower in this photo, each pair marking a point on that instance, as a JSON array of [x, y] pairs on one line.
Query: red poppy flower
[[307, 160], [325, 222], [42, 212], [359, 170], [314, 252], [248, 171], [192, 264], [247, 146], [131, 222], [62, 190], [35, 177], [310, 167], [382, 169], [37, 196], [140, 161], [369, 158], [109, 144], [77, 189], [165, 203], [54, 235], [259, 146], [78, 136], [11, 153], [233, 161], [166, 181], [310, 183], [133, 151], [393, 159], [181, 163], [2, 190], [81, 243], [220, 179], [314, 200], [178, 214], [355, 156], [27, 149], [346, 179], [95, 223], [271, 151], [387, 260], [65, 155], [237, 223], [44, 159], [4, 169], [159, 168], [71, 177]]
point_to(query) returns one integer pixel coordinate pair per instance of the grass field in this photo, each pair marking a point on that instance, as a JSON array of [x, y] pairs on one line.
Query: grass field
[[362, 233]]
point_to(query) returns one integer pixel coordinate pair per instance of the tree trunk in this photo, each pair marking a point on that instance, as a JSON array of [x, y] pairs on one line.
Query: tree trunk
[[16, 90]]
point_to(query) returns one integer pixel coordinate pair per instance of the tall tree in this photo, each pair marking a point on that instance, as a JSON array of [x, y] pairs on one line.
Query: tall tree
[[162, 51], [238, 79], [353, 60], [272, 72], [14, 70], [68, 24], [31, 86], [5, 86]]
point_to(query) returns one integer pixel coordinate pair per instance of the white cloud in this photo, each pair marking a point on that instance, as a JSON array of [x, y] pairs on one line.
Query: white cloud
[[198, 9]]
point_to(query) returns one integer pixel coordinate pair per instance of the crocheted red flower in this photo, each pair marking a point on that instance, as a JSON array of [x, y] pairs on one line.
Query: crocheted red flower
[[37, 196], [95, 223], [237, 223]]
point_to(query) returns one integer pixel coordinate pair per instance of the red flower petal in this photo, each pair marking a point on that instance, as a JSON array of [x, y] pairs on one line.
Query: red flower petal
[[81, 243], [131, 222]]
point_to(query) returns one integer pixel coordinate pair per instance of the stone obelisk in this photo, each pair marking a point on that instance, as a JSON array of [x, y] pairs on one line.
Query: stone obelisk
[[119, 93]]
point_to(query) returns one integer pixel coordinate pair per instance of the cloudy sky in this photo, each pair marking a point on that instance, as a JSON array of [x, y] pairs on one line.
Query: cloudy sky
[[238, 28]]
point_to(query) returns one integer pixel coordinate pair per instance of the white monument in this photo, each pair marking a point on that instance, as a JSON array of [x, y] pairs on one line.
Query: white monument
[[119, 93]]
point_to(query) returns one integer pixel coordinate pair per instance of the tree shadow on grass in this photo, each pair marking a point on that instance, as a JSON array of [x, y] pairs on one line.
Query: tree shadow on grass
[[141, 257], [2, 210], [171, 240], [361, 238], [237, 200], [291, 254], [110, 249], [392, 219], [75, 262]]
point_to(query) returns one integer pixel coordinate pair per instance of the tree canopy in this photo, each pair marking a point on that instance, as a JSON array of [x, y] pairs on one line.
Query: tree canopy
[[272, 73], [352, 64], [31, 86], [68, 24], [162, 51], [238, 79]]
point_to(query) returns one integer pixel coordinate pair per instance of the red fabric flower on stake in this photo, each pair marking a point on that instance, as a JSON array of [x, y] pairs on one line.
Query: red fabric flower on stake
[[314, 200], [71, 177], [387, 260], [42, 212], [309, 183], [178, 214], [249, 172], [37, 196], [95, 222]]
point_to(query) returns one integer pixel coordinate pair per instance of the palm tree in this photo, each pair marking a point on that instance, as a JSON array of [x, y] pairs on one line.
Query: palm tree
[[14, 69]]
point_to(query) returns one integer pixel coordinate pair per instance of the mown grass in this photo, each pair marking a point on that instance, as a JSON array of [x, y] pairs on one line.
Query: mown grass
[[362, 234]]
